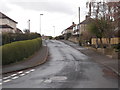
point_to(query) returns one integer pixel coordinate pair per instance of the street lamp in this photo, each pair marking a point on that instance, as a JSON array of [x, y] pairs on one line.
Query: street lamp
[[29, 24], [54, 30], [40, 22]]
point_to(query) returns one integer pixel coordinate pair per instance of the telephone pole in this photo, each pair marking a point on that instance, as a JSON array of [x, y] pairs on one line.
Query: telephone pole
[[79, 25], [79, 14]]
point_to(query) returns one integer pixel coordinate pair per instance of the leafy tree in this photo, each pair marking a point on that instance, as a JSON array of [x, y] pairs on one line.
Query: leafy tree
[[98, 28]]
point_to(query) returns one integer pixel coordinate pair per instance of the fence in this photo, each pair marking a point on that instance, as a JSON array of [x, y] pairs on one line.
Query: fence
[[115, 40]]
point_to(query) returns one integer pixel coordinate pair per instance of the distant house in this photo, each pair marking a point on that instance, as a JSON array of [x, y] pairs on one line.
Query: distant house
[[70, 28], [76, 30], [83, 25], [18, 30], [7, 24]]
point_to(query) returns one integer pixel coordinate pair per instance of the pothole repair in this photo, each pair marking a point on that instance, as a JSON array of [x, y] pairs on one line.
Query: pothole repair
[[56, 79]]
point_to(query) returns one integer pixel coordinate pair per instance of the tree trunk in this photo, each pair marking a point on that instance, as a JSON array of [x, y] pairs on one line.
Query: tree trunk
[[109, 42], [101, 42], [96, 43]]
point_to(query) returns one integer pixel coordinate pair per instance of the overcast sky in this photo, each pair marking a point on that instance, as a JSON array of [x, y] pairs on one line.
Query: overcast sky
[[58, 13]]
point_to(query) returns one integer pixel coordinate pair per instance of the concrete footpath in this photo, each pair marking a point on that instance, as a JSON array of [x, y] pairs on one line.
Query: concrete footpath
[[38, 58], [97, 57]]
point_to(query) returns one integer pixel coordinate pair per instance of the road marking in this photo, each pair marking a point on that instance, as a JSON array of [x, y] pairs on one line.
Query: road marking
[[15, 77], [0, 83], [7, 80], [0, 79], [32, 70], [20, 72], [6, 77], [27, 72]]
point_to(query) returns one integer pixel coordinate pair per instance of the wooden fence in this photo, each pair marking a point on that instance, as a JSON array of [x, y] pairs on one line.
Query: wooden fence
[[115, 40]]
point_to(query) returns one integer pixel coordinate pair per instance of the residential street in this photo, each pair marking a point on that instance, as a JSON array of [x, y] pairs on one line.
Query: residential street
[[66, 67]]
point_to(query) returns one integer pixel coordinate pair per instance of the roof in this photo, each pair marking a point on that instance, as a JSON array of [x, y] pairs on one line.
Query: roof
[[18, 30], [5, 26], [4, 16], [71, 27], [86, 21]]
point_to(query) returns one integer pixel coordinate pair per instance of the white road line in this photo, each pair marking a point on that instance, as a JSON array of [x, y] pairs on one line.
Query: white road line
[[6, 77], [0, 79], [7, 81], [15, 77], [27, 72], [20, 72], [0, 83], [32, 70]]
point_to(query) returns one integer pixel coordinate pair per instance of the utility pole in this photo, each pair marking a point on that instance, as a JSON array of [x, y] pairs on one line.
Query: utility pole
[[79, 24], [79, 14]]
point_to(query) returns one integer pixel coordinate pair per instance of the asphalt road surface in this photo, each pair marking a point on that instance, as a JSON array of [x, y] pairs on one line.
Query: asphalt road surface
[[66, 68]]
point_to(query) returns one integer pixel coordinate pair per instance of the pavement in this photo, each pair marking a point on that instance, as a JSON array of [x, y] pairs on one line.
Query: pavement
[[97, 56], [38, 58]]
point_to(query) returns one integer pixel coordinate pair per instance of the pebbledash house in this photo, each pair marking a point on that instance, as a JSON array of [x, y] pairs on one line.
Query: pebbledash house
[[7, 24]]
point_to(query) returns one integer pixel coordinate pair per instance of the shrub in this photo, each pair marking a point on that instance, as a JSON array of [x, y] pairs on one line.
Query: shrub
[[117, 47], [12, 37], [19, 50]]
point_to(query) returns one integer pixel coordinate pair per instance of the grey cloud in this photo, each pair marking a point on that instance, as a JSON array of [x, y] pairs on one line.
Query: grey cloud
[[47, 6]]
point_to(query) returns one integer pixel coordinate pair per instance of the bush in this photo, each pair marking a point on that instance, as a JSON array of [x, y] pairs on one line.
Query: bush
[[12, 37], [117, 47], [19, 50]]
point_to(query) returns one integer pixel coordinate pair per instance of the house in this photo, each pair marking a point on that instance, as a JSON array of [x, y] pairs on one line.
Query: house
[[18, 31], [69, 31], [83, 25], [7, 24], [76, 30], [70, 28]]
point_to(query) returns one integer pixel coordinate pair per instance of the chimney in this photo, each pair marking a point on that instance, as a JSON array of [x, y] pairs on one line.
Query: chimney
[[87, 16], [73, 23]]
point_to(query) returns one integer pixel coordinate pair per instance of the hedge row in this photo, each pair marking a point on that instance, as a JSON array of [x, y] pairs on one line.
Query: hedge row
[[19, 50], [12, 37]]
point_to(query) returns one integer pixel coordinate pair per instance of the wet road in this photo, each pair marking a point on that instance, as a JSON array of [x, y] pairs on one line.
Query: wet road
[[66, 68]]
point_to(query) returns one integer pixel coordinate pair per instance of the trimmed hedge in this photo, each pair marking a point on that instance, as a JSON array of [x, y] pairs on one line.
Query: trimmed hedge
[[13, 37], [19, 50]]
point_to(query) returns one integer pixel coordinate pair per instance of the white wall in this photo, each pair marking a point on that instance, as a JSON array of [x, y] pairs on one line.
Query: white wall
[[8, 22]]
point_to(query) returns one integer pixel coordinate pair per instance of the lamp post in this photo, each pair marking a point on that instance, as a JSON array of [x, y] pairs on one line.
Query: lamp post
[[40, 22], [54, 30], [29, 25]]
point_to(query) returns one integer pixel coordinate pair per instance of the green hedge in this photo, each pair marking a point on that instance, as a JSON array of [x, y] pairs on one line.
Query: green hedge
[[19, 50], [13, 37]]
